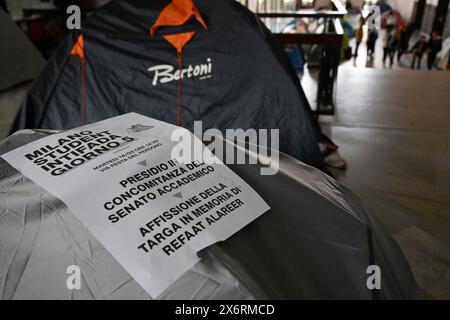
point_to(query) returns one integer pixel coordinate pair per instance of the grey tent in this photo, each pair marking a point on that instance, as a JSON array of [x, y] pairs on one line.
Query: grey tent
[[19, 60], [315, 242]]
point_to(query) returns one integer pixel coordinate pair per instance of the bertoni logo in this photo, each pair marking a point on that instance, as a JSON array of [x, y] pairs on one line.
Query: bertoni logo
[[165, 73]]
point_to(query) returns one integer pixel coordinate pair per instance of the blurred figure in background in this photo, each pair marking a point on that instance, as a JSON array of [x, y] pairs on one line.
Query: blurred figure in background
[[405, 38], [388, 36], [403, 44], [391, 20], [418, 50], [297, 57], [371, 41], [359, 35], [434, 45], [394, 44]]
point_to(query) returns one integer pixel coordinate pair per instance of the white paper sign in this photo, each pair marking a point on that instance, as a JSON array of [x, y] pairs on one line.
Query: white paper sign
[[152, 213]]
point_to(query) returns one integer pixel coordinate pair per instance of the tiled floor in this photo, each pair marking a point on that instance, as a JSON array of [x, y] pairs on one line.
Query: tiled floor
[[393, 128], [361, 60]]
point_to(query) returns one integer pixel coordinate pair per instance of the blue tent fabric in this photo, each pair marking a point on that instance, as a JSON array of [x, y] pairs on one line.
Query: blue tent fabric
[[251, 83], [297, 58]]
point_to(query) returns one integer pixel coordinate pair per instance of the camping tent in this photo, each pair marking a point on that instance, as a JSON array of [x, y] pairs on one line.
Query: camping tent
[[19, 60], [234, 74], [316, 242]]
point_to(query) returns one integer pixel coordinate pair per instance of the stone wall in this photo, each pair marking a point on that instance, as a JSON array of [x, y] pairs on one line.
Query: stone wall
[[404, 7], [446, 33], [428, 18]]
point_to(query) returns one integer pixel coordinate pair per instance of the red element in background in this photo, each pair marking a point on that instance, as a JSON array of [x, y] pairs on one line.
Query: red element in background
[[179, 40], [177, 13], [78, 50]]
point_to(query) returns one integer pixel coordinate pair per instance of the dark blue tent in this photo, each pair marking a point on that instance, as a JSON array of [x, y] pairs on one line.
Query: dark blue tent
[[239, 76]]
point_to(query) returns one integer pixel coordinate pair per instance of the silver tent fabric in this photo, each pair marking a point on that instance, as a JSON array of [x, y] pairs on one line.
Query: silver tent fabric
[[315, 242]]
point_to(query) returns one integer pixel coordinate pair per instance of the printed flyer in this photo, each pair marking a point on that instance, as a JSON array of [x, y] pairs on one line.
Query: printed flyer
[[152, 212]]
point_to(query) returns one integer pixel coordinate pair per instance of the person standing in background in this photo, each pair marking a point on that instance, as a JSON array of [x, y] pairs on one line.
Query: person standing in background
[[403, 42], [405, 38], [371, 41], [418, 50], [388, 35], [394, 43], [434, 45], [391, 20]]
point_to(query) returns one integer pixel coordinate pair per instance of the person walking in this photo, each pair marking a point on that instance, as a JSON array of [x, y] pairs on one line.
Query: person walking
[[359, 34], [394, 43], [418, 50], [371, 42], [388, 35], [403, 42]]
